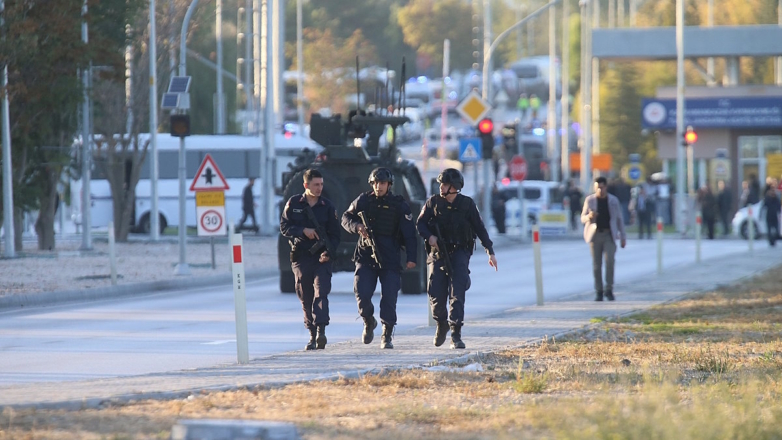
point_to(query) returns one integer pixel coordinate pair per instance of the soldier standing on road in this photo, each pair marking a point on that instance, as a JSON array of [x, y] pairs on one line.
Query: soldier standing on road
[[310, 258], [523, 105], [391, 226], [602, 219], [459, 222], [248, 205]]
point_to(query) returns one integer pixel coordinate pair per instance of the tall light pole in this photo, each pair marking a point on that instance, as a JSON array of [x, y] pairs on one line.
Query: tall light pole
[[586, 98], [8, 188], [299, 66], [154, 225], [220, 98], [680, 171], [551, 125], [710, 60], [595, 92], [565, 101], [86, 151]]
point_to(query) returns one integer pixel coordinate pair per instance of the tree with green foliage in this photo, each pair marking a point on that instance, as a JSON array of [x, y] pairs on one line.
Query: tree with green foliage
[[427, 23]]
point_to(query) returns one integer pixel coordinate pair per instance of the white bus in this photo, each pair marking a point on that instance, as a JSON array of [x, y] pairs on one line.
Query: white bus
[[237, 157]]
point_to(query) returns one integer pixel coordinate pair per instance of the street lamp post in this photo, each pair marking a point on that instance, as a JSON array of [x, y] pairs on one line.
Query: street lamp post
[[680, 171], [154, 218], [86, 207]]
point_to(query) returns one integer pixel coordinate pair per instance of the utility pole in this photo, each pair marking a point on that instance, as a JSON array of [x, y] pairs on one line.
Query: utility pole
[[680, 170], [586, 98], [595, 84], [551, 125], [154, 222], [220, 120], [86, 151], [487, 182], [299, 67], [565, 101], [8, 188]]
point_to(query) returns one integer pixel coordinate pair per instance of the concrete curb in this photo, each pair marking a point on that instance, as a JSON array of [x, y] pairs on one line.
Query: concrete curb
[[28, 300]]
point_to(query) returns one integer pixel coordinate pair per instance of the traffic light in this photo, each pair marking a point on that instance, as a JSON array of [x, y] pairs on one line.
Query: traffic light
[[509, 139], [180, 125], [689, 137], [486, 133]]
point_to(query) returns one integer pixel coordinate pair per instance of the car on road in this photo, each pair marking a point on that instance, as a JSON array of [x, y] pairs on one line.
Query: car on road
[[741, 221], [539, 195]]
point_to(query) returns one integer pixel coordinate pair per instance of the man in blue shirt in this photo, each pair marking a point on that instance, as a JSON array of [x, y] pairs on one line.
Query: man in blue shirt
[[391, 227], [310, 256]]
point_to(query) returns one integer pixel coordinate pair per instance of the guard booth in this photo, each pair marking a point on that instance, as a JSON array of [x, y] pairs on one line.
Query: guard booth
[[739, 133]]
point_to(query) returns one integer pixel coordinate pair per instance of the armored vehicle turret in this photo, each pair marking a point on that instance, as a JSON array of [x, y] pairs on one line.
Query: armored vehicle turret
[[352, 150]]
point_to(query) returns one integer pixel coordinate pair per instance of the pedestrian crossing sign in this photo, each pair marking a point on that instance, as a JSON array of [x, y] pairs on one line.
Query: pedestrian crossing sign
[[470, 149]]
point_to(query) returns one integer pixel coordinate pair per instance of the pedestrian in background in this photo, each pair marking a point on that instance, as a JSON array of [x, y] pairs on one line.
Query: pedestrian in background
[[574, 195], [459, 222], [708, 204], [643, 207], [248, 206], [391, 227], [534, 104], [523, 106], [310, 258], [602, 219], [724, 200], [771, 206]]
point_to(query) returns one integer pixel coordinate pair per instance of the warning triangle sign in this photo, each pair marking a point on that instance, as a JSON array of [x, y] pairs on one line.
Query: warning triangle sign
[[470, 152], [208, 177]]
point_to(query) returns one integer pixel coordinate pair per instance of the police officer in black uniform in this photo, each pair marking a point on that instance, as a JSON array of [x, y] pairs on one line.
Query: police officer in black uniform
[[459, 223], [391, 224], [310, 258]]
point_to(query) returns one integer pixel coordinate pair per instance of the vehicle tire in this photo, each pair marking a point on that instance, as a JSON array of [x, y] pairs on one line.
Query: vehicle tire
[[745, 230], [287, 282], [143, 224]]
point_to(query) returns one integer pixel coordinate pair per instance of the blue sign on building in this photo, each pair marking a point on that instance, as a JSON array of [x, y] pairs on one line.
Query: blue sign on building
[[763, 112], [634, 173], [470, 149]]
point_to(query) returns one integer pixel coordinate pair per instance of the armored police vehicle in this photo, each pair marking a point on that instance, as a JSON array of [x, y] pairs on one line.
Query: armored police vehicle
[[351, 151]]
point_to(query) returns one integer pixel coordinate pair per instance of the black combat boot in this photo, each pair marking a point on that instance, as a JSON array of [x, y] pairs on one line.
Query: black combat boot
[[599, 295], [370, 324], [321, 338], [442, 332], [311, 344], [610, 295], [456, 336], [385, 341]]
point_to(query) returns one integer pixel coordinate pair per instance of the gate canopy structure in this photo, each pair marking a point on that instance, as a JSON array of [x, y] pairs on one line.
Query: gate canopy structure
[[660, 42]]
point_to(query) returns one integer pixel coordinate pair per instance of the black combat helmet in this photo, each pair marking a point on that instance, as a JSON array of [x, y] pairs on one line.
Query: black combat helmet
[[451, 176], [381, 175]]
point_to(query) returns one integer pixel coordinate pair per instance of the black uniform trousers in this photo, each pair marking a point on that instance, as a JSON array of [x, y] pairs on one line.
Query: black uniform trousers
[[443, 290], [772, 229], [313, 285], [364, 284]]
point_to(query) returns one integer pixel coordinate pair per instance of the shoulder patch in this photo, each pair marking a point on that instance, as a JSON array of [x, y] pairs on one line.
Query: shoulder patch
[[409, 217]]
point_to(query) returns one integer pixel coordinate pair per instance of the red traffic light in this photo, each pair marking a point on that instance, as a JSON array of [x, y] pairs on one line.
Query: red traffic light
[[486, 126], [691, 137]]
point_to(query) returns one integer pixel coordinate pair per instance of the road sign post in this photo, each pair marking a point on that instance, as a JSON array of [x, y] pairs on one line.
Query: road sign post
[[659, 245], [209, 186], [538, 264], [698, 223]]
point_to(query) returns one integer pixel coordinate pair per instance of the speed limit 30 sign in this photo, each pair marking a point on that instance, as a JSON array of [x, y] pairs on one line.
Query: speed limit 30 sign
[[210, 213]]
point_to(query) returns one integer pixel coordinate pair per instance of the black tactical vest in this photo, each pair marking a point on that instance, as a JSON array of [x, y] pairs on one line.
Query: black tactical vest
[[383, 214], [453, 222]]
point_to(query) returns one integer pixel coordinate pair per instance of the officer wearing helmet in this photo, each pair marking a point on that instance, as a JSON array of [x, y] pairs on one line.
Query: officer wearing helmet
[[459, 222], [391, 227]]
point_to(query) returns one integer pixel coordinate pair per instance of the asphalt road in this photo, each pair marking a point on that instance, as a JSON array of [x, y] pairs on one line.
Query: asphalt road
[[195, 328]]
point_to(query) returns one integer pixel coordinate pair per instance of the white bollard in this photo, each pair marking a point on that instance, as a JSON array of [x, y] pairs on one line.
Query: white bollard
[[750, 229], [659, 245], [112, 255], [698, 224], [240, 300], [523, 221], [538, 264]]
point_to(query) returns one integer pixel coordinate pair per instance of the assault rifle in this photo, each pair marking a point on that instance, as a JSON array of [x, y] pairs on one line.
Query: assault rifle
[[442, 253], [372, 242], [323, 237]]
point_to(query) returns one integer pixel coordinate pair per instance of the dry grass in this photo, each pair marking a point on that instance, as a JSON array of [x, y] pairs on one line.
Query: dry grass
[[707, 367]]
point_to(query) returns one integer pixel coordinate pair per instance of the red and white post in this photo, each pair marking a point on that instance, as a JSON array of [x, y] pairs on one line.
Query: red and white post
[[538, 264], [659, 245], [240, 300], [698, 224]]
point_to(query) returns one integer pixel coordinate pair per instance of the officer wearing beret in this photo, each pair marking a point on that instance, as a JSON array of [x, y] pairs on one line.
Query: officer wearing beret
[[457, 218], [310, 257], [390, 227]]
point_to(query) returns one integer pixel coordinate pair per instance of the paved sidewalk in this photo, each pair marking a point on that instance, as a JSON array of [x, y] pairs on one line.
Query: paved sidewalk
[[511, 328]]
